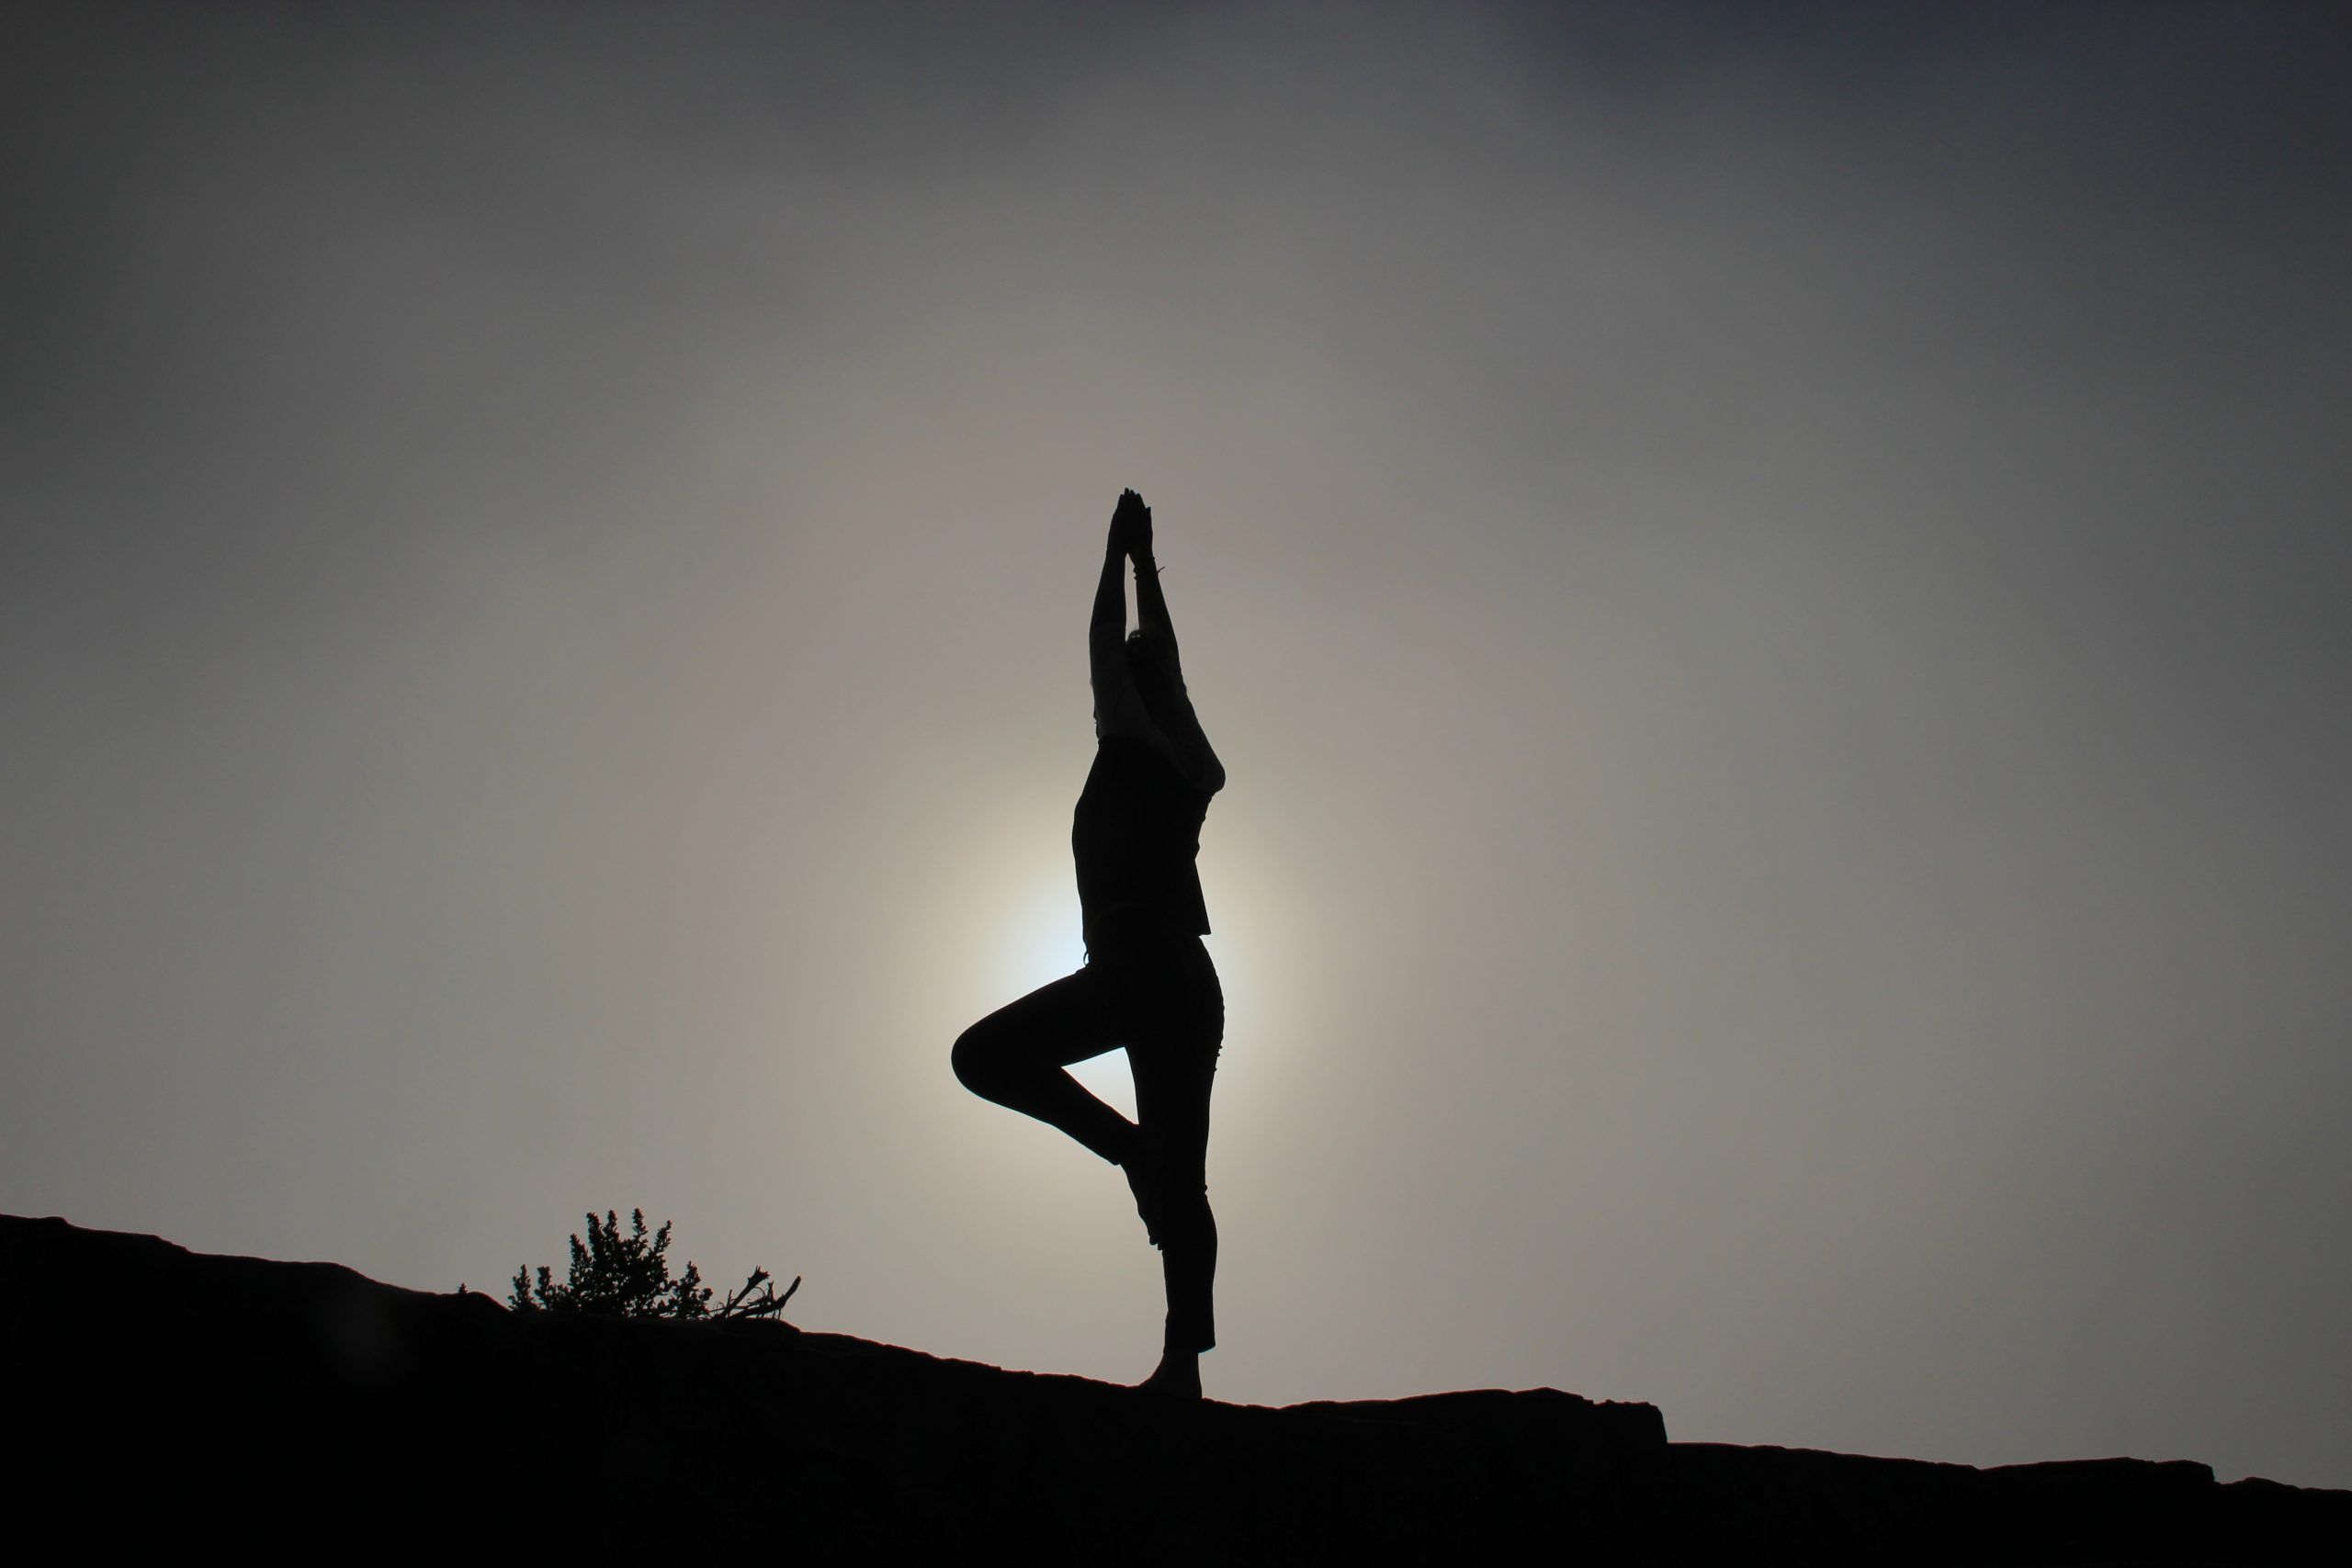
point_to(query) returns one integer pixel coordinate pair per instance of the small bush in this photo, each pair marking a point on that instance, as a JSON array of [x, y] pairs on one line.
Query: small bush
[[628, 1276]]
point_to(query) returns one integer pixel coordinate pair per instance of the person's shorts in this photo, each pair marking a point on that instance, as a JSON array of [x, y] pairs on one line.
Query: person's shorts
[[1165, 984]]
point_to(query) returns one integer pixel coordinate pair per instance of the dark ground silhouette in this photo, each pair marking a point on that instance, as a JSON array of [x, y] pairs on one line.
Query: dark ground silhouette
[[164, 1398]]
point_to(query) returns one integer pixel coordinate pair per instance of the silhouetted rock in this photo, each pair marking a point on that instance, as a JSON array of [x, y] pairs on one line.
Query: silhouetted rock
[[172, 1397]]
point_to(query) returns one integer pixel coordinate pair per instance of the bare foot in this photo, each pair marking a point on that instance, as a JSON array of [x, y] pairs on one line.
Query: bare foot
[[1178, 1377], [1143, 1179]]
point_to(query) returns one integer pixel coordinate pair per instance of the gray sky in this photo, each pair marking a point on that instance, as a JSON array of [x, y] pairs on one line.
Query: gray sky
[[1769, 582]]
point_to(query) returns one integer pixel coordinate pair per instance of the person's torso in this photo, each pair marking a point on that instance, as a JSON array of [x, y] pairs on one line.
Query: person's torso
[[1135, 836]]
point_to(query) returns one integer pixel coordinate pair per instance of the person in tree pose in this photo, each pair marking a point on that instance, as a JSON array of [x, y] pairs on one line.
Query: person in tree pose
[[1148, 982]]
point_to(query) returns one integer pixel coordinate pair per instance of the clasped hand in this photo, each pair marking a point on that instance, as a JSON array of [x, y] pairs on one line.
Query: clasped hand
[[1131, 526]]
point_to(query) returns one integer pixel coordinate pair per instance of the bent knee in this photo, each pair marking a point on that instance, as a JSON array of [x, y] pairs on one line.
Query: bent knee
[[975, 1065]]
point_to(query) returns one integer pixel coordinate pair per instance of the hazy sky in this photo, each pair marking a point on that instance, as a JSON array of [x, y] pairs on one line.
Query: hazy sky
[[1770, 584]]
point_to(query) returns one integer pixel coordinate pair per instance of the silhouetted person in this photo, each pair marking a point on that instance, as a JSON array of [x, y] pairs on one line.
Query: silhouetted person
[[1148, 982]]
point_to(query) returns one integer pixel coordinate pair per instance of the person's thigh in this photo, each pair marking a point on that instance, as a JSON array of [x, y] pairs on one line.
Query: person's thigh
[[1173, 1054], [1068, 1021]]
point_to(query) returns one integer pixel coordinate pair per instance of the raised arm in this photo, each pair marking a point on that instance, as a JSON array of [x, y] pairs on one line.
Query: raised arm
[[1108, 622], [1151, 605], [1187, 746], [1118, 707]]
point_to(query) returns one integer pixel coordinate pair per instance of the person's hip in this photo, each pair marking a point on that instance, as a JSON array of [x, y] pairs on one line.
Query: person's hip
[[1163, 973]]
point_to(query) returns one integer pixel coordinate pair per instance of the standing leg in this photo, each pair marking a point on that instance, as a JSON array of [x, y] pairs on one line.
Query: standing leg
[[1174, 1062], [1015, 1057]]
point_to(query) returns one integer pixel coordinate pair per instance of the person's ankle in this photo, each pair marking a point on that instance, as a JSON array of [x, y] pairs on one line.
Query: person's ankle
[[1178, 1376]]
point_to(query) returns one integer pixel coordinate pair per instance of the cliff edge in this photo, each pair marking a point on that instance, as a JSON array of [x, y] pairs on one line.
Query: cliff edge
[[173, 1397]]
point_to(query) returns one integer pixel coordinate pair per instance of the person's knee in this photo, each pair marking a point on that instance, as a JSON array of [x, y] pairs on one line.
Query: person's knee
[[1184, 1211], [977, 1067]]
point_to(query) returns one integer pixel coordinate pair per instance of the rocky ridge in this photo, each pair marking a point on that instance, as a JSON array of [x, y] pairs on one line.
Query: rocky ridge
[[172, 1396]]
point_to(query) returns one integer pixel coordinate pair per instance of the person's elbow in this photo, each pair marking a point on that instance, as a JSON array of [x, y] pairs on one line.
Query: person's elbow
[[1206, 771]]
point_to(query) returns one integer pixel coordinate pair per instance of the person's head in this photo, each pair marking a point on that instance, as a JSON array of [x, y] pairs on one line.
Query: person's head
[[1151, 665]]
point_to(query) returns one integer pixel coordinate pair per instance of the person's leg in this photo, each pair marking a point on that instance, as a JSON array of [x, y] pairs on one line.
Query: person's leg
[[1015, 1057], [1175, 1066]]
